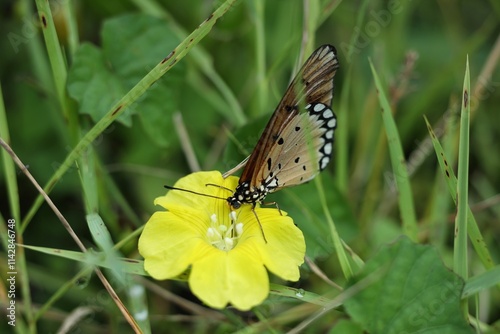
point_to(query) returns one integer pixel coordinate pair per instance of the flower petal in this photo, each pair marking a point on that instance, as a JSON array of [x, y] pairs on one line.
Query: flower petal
[[174, 240], [169, 244], [285, 248], [234, 277], [198, 182]]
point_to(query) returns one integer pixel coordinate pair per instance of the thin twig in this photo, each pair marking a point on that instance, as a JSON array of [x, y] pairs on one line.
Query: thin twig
[[305, 30], [216, 150], [321, 274], [187, 147], [58, 213], [72, 233], [74, 318]]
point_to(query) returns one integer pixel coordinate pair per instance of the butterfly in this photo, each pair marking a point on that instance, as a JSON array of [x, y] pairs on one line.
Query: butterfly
[[297, 142]]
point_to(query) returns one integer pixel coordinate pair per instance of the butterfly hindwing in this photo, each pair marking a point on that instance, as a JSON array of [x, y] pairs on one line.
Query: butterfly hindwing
[[297, 142], [295, 131], [305, 152]]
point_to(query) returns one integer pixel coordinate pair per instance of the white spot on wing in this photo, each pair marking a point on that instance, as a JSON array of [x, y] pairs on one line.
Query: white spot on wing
[[327, 148], [328, 113], [324, 162], [329, 134], [273, 183], [332, 123], [318, 107]]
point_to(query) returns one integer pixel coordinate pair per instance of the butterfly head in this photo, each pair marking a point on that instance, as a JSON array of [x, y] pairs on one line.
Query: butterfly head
[[234, 202], [245, 194]]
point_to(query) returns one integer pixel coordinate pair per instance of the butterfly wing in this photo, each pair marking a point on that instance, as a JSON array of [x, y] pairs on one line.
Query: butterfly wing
[[297, 142]]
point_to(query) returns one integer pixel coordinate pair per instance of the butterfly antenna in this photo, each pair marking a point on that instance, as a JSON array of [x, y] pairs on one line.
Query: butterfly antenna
[[218, 186], [194, 192]]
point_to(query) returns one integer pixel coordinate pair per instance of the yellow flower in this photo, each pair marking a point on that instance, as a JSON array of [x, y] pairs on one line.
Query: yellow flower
[[225, 249]]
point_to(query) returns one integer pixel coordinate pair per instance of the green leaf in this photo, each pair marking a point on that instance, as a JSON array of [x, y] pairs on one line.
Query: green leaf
[[99, 232], [130, 266], [131, 46], [473, 230], [460, 264], [299, 294], [134, 43], [93, 85], [482, 282], [344, 326], [398, 162], [8, 165], [103, 239], [411, 291]]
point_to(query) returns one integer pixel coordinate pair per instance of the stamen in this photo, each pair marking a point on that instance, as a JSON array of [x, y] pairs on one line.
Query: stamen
[[232, 215], [224, 234], [229, 243], [239, 229]]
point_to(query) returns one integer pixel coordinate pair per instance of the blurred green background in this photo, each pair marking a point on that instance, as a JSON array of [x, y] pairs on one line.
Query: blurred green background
[[222, 93]]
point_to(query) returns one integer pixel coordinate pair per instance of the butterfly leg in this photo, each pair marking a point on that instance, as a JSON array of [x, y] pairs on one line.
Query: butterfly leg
[[258, 221], [275, 204]]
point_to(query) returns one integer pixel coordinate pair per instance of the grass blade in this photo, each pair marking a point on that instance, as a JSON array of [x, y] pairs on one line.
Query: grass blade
[[342, 156], [92, 258], [475, 235], [8, 165], [482, 282], [405, 197], [460, 265]]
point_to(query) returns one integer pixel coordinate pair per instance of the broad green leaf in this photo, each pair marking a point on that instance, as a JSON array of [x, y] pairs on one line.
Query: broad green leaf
[[131, 46], [134, 43], [93, 84], [344, 326], [411, 292]]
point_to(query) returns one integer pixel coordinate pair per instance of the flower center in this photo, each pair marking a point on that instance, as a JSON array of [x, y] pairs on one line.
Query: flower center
[[222, 235]]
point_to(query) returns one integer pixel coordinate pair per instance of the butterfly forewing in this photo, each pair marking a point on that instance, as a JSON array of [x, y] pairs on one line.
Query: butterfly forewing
[[297, 142]]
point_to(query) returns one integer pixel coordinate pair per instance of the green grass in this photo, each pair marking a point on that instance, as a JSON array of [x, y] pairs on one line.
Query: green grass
[[88, 101]]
